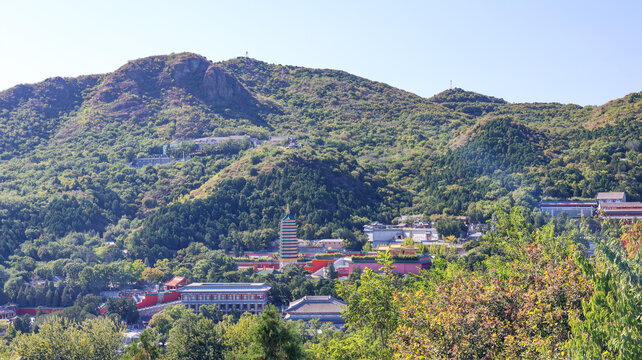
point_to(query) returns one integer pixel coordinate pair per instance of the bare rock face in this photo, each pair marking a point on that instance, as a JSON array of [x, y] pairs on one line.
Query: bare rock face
[[221, 88], [188, 71], [149, 77]]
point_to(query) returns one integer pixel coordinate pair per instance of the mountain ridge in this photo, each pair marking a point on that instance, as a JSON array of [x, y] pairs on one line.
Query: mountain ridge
[[69, 141]]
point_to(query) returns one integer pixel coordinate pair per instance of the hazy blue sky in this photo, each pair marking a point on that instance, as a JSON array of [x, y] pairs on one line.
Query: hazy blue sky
[[583, 52]]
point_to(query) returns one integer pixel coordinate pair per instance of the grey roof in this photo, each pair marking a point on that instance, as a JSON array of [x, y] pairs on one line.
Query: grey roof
[[225, 287], [622, 205], [316, 305], [568, 203], [610, 195], [287, 216]]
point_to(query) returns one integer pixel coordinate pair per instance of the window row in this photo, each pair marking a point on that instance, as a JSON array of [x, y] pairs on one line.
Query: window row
[[223, 296]]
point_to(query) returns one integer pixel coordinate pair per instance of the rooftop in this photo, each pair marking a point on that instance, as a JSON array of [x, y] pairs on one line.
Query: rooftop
[[316, 305], [227, 287], [622, 205], [288, 216], [176, 281], [568, 203], [610, 195]]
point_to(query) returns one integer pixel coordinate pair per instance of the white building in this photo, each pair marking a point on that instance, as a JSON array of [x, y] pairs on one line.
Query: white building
[[574, 209], [379, 234]]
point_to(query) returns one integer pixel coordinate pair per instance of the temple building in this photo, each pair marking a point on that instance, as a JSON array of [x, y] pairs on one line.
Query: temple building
[[288, 244], [240, 297], [324, 308]]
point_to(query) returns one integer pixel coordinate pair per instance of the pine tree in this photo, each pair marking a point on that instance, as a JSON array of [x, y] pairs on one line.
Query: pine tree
[[274, 339], [66, 299]]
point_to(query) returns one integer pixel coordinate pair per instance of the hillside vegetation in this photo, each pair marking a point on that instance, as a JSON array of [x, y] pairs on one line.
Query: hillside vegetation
[[370, 152]]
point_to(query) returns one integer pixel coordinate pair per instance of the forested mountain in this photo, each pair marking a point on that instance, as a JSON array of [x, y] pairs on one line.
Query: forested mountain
[[369, 152]]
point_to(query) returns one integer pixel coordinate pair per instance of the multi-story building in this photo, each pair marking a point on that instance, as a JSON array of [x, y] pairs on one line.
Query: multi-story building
[[240, 297], [574, 209], [288, 242]]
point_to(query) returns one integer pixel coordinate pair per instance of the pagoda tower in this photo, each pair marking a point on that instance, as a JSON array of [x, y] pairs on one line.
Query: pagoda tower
[[289, 244]]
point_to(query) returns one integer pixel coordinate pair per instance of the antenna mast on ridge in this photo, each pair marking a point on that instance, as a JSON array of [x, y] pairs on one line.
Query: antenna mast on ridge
[[451, 84]]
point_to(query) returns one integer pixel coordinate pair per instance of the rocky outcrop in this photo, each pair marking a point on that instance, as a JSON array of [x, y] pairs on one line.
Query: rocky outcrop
[[190, 72], [221, 88]]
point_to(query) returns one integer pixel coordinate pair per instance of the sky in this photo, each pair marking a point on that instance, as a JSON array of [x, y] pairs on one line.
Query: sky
[[582, 52]]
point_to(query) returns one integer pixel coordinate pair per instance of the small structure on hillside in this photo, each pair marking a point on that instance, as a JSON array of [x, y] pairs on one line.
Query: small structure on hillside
[[610, 197]]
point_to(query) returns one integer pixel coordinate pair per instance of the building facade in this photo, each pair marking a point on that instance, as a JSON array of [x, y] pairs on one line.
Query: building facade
[[610, 197], [228, 297], [7, 313], [574, 209], [332, 244], [403, 266], [622, 210], [288, 243]]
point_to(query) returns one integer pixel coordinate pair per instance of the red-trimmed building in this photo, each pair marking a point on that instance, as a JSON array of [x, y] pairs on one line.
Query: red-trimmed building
[[402, 264], [622, 210], [175, 283]]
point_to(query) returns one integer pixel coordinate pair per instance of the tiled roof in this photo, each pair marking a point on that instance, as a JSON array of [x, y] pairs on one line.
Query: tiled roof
[[622, 205], [227, 287], [316, 305], [568, 203], [610, 195], [175, 281]]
